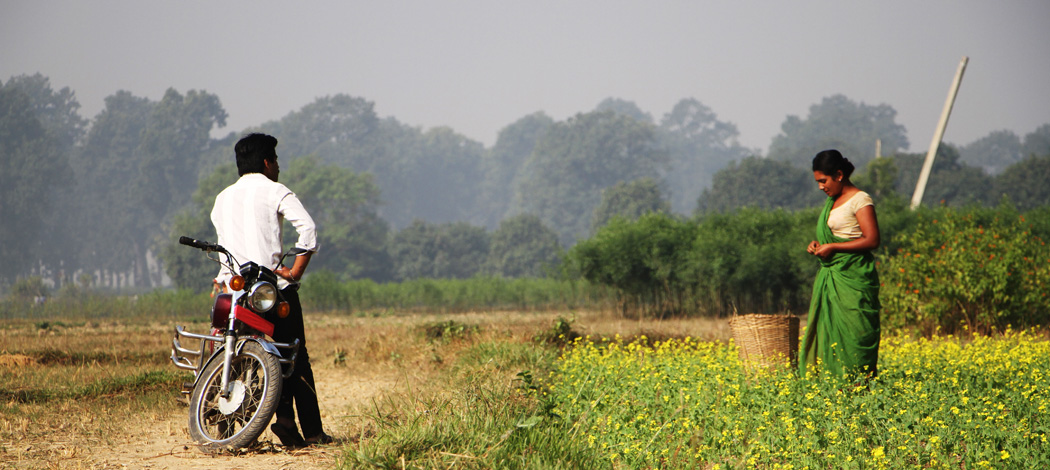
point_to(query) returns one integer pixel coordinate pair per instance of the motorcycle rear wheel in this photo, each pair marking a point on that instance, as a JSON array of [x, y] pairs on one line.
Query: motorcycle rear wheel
[[224, 424]]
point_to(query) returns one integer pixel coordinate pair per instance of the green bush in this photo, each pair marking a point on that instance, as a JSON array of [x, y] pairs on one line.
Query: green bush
[[645, 261], [978, 269], [754, 261]]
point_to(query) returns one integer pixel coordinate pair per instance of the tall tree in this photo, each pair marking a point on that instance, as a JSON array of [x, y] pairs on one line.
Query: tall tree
[[107, 207], [142, 159], [839, 123], [629, 201], [340, 129], [1037, 142], [951, 181], [1024, 183], [32, 166], [57, 113], [879, 178], [344, 205], [993, 152], [761, 183], [189, 268], [394, 170], [445, 181], [576, 159], [698, 145], [503, 170], [177, 133], [624, 108]]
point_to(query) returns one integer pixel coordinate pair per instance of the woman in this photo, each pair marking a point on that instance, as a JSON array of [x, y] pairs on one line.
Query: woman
[[842, 333]]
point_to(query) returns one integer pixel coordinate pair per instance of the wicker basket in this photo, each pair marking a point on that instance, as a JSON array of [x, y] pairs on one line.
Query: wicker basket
[[766, 340]]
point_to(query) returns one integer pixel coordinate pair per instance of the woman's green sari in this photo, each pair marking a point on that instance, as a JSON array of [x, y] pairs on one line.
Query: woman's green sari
[[842, 332]]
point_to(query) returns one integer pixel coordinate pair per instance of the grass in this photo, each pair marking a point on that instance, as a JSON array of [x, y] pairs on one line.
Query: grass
[[516, 390], [484, 407]]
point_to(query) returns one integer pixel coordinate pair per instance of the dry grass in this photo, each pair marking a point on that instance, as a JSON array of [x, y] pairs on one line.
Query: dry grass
[[60, 409]]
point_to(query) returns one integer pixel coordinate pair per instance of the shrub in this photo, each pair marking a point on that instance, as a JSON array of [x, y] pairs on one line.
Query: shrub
[[962, 268], [643, 260], [754, 261]]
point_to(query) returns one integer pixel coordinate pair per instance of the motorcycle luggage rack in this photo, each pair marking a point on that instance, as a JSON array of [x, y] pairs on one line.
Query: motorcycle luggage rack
[[190, 359]]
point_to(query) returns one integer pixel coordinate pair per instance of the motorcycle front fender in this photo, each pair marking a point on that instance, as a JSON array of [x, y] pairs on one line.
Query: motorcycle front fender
[[272, 348]]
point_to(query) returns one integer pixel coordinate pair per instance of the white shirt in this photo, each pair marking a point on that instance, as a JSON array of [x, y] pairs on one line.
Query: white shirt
[[843, 219], [248, 216]]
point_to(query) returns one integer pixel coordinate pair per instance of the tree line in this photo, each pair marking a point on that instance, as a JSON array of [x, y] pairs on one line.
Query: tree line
[[99, 202]]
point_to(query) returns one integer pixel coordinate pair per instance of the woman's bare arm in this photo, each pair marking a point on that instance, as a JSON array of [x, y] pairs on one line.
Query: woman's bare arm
[[869, 236]]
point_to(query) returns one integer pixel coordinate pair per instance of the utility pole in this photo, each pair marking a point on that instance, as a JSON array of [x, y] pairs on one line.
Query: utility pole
[[927, 165]]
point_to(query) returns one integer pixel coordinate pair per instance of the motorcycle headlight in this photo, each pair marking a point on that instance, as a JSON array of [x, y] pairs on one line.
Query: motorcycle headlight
[[262, 297]]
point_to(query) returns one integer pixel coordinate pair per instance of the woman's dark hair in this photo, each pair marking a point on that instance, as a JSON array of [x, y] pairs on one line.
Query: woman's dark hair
[[830, 162], [251, 150]]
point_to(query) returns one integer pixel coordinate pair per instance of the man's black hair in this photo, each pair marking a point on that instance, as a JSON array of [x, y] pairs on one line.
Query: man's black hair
[[252, 150]]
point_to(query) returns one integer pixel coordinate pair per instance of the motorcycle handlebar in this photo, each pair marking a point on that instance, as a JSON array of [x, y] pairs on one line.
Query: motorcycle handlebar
[[200, 245]]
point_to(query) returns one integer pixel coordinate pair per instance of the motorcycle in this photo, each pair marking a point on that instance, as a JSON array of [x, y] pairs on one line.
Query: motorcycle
[[238, 372]]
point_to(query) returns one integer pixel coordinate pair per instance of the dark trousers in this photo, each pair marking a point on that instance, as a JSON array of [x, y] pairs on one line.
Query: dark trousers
[[299, 387]]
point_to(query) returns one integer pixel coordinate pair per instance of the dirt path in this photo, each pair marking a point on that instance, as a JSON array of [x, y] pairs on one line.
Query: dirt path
[[164, 443], [355, 360]]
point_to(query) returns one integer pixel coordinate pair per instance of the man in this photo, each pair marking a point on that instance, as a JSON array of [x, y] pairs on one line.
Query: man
[[248, 216]]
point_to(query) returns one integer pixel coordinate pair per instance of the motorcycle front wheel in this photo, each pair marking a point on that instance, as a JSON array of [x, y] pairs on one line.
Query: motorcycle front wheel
[[218, 423]]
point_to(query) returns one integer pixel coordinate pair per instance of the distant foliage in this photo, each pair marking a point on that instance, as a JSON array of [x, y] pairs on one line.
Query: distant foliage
[[978, 270], [993, 152], [338, 129], [504, 164], [951, 182], [345, 207], [189, 268], [28, 289], [324, 291], [698, 146], [523, 246], [426, 250], [839, 123], [630, 201], [1026, 182], [624, 108], [33, 163], [104, 196], [575, 160], [1037, 142], [760, 183]]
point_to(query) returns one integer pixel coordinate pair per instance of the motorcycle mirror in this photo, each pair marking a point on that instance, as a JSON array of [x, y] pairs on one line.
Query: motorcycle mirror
[[294, 251]]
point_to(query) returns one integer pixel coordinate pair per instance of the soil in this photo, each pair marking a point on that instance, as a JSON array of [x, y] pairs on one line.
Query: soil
[[165, 443]]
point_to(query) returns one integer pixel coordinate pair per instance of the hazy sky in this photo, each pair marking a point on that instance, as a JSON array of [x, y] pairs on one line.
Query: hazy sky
[[477, 66]]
